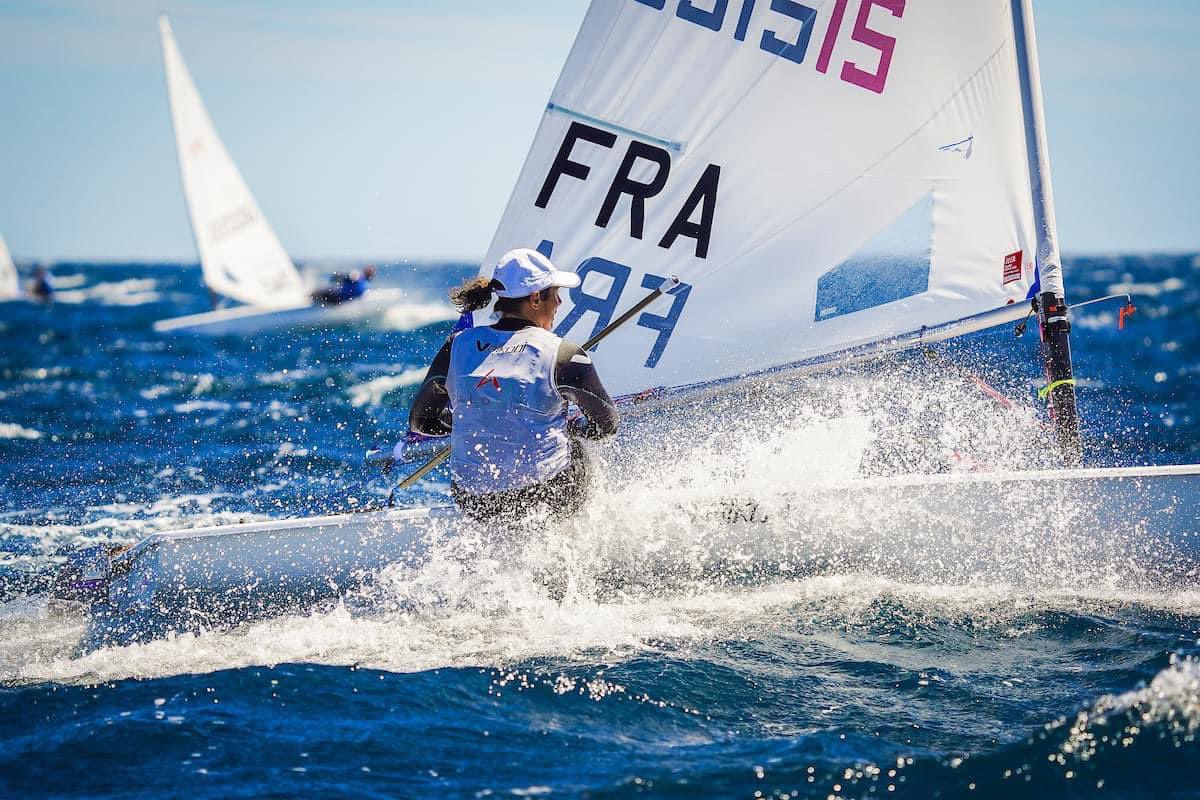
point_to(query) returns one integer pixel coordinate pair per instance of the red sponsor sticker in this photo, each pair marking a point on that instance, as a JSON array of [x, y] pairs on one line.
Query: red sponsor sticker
[[1012, 267]]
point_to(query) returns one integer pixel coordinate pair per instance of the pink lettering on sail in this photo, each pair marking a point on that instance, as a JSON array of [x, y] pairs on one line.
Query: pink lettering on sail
[[884, 44], [831, 34]]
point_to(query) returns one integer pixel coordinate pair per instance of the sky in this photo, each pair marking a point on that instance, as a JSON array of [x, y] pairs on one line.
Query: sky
[[389, 129]]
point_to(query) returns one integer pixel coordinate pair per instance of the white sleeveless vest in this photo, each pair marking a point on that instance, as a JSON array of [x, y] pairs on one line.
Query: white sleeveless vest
[[509, 419]]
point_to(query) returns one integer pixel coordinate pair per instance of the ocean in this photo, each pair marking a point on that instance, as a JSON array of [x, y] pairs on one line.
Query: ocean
[[477, 677]]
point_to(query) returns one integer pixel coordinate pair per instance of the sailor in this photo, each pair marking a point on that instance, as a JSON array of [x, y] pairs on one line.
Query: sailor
[[344, 287], [502, 393], [41, 288]]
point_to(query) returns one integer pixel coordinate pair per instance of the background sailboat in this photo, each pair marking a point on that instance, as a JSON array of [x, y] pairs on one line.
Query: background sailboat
[[240, 254], [10, 284]]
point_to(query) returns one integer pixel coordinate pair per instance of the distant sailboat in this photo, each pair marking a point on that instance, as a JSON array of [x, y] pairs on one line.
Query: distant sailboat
[[241, 257], [10, 285]]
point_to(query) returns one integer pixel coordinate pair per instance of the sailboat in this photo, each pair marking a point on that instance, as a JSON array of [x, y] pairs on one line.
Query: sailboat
[[10, 284], [830, 184], [240, 255]]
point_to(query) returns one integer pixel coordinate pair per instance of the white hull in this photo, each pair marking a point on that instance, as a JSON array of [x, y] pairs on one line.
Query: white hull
[[246, 320], [1138, 526]]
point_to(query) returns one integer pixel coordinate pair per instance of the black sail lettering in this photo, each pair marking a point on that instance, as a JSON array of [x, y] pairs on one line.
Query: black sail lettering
[[623, 183], [705, 195], [563, 165]]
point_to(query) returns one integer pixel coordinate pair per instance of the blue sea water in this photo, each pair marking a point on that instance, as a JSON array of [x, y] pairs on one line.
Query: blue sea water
[[477, 682]]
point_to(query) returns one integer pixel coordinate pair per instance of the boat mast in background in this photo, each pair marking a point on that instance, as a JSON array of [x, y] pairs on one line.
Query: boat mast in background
[[1052, 307]]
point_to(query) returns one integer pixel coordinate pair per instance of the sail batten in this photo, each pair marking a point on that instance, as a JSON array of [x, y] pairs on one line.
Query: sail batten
[[240, 255], [677, 147]]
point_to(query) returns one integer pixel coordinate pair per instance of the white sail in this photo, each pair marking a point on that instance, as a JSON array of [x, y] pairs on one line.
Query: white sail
[[240, 254], [820, 175], [10, 285]]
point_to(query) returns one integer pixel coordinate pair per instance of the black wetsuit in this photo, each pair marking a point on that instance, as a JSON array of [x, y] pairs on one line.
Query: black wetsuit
[[576, 379]]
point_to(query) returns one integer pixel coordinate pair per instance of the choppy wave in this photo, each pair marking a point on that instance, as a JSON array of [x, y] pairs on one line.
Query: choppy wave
[[130, 292], [849, 685], [10, 430], [410, 316], [458, 615], [372, 392], [1172, 284]]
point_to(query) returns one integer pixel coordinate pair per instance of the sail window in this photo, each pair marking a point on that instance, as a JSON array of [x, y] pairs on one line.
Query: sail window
[[892, 266]]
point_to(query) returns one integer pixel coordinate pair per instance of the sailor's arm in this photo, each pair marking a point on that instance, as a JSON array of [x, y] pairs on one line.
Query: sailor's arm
[[576, 378], [430, 414]]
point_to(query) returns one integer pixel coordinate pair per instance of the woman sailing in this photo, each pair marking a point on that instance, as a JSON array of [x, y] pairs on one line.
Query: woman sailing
[[502, 391]]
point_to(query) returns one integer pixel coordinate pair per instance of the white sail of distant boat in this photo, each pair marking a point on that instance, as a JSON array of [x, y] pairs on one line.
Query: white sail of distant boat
[[240, 255], [818, 178], [10, 285]]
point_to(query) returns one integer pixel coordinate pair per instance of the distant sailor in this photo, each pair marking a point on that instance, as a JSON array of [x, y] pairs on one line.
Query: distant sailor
[[41, 288], [344, 287], [502, 393]]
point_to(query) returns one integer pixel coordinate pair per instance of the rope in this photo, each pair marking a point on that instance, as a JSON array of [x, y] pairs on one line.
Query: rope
[[1046, 390]]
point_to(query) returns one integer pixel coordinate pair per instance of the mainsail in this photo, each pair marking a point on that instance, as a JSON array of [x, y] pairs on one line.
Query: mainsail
[[240, 254], [10, 286], [820, 175]]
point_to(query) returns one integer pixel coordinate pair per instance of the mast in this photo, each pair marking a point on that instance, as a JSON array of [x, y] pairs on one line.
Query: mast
[[1053, 316]]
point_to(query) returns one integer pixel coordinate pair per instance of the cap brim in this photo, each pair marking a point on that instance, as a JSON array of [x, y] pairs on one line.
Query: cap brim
[[567, 280]]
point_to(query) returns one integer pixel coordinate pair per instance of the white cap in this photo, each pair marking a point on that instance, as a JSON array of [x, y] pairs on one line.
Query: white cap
[[525, 271]]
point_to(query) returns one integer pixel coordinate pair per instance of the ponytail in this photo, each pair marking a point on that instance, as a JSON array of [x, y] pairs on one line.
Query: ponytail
[[476, 293], [473, 294]]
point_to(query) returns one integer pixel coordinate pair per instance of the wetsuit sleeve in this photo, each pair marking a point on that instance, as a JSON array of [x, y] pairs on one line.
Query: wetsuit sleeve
[[430, 412], [577, 381]]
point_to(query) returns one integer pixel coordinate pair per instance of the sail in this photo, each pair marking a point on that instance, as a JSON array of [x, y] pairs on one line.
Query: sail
[[240, 254], [820, 175], [10, 285]]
